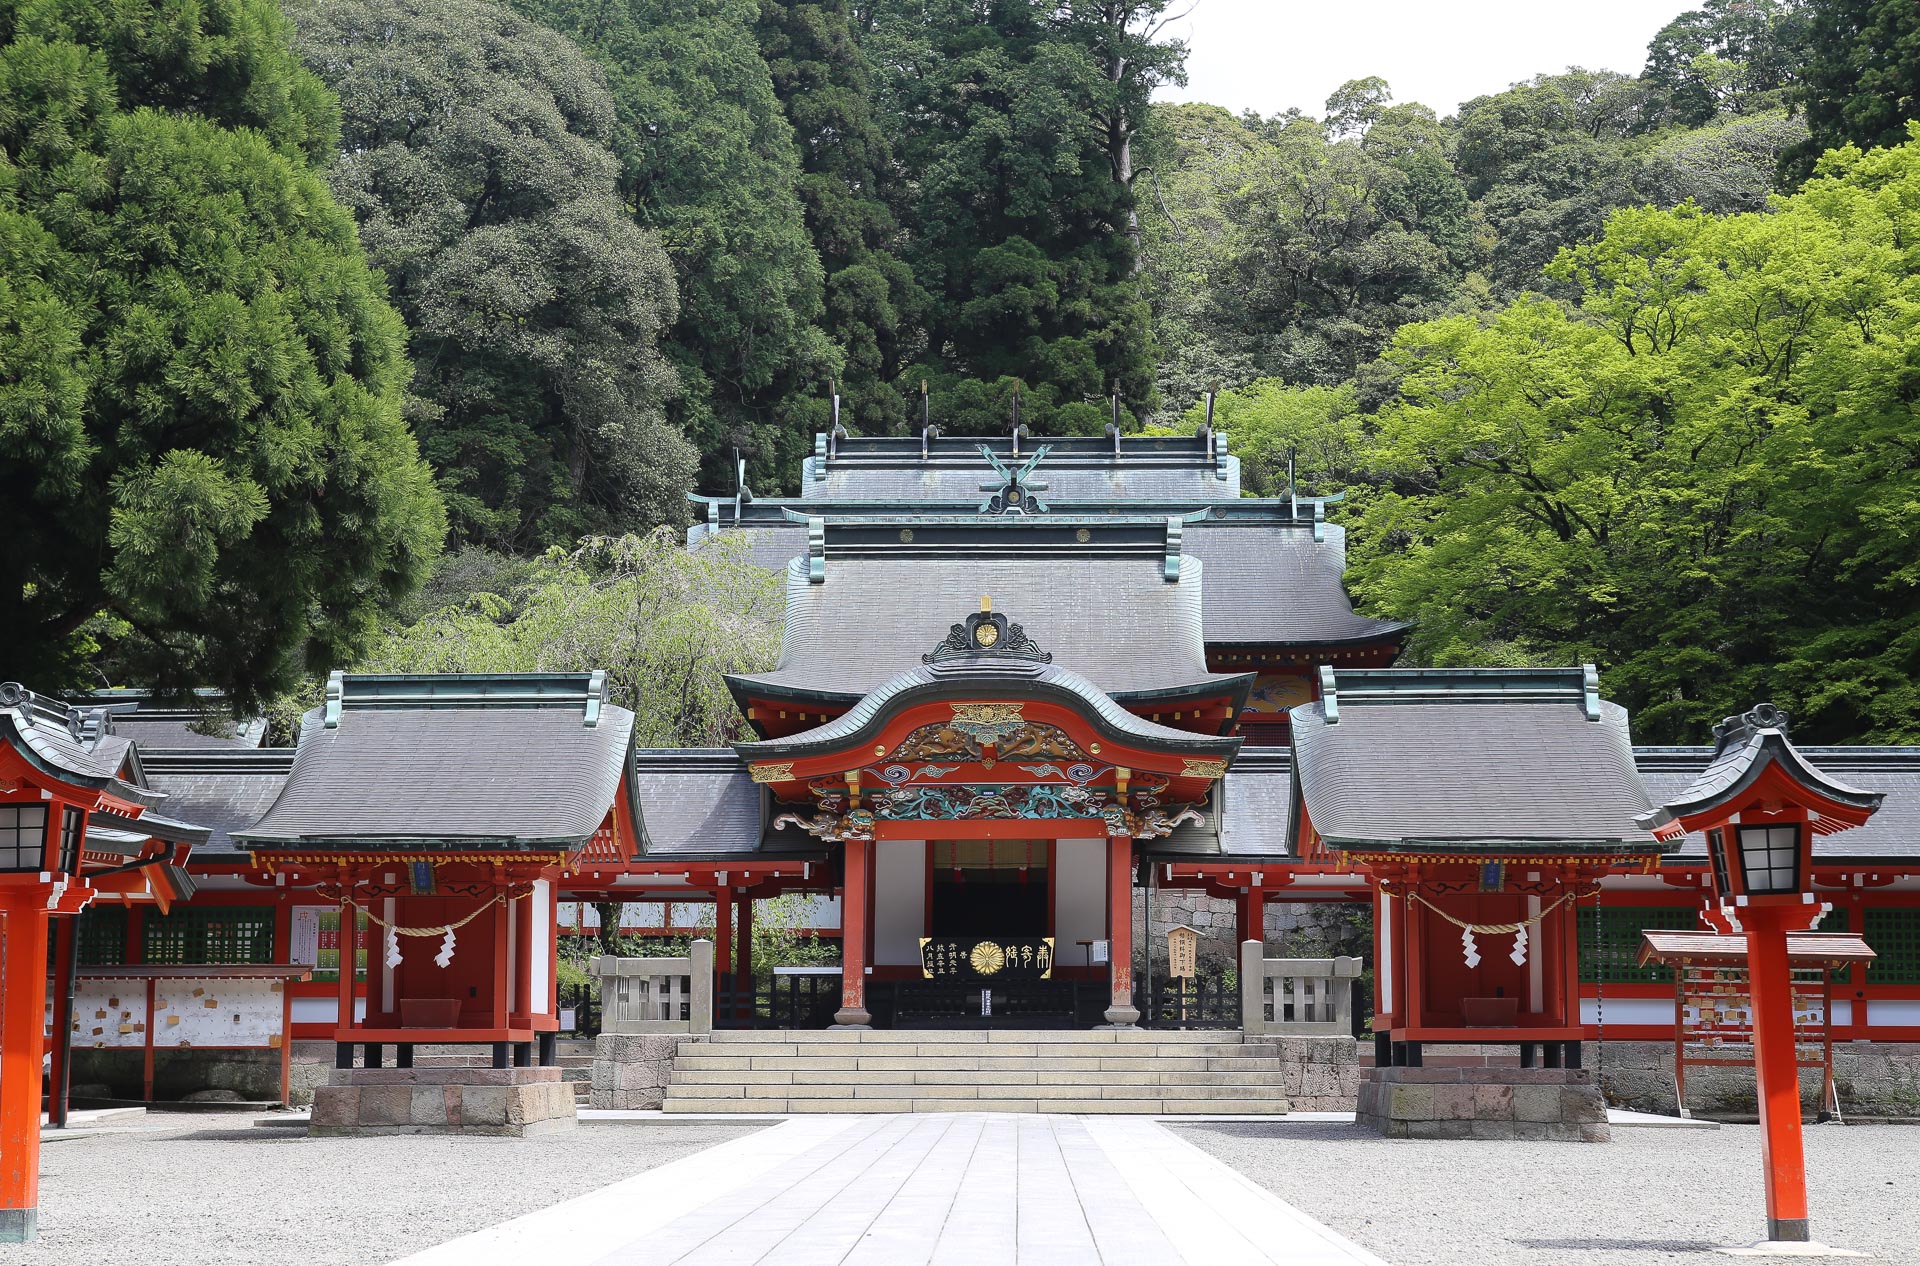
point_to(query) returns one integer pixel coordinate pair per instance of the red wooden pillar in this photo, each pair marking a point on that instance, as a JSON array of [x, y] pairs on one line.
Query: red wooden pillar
[[858, 859], [1254, 915], [1120, 1009], [23, 1000], [66, 950], [1770, 981], [525, 1003], [743, 976], [347, 939]]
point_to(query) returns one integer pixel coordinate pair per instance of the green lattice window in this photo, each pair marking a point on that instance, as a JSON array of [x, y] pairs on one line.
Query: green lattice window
[[211, 934], [1895, 937], [1610, 944], [102, 936]]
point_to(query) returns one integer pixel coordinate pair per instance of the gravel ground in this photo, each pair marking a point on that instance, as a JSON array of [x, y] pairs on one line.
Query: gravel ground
[[219, 1193], [1651, 1196]]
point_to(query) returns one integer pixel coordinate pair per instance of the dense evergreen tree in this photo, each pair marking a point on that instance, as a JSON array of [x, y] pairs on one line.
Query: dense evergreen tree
[[1727, 57], [475, 156], [847, 182], [208, 477], [1020, 226], [1861, 80], [708, 162]]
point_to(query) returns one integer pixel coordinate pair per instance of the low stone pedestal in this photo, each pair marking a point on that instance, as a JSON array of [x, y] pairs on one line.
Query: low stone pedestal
[[512, 1101], [1555, 1104], [631, 1070]]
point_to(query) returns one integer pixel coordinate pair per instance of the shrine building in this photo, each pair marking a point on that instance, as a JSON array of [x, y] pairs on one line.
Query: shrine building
[[1027, 693]]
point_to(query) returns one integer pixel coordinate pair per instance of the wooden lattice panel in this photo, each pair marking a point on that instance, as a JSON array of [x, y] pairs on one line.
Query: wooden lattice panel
[[1895, 936]]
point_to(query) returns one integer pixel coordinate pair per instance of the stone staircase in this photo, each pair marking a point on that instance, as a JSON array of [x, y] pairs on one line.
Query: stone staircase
[[1098, 1071]]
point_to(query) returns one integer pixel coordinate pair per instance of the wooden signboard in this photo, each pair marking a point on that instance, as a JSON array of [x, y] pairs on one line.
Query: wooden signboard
[[972, 958], [1182, 947]]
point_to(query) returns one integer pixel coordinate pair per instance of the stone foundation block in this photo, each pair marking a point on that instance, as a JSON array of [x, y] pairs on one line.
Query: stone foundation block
[[1533, 1104], [510, 1101], [631, 1070]]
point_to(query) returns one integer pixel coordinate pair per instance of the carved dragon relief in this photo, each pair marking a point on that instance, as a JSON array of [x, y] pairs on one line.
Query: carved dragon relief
[[969, 739]]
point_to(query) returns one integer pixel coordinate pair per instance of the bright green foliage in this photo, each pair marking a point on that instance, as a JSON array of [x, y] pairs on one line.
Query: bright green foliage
[[1860, 82], [1020, 220], [708, 162], [1271, 425], [847, 180], [1272, 250], [666, 623], [1705, 477], [200, 384], [475, 156]]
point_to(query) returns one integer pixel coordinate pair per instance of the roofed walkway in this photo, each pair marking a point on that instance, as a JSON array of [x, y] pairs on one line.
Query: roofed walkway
[[931, 1189]]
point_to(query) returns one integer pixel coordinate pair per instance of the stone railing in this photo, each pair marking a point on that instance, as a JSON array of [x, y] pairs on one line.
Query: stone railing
[[657, 995], [1304, 997]]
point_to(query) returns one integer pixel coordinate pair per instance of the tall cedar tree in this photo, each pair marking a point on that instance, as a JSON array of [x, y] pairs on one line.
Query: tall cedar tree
[[708, 161], [475, 158], [209, 480], [1861, 80], [1020, 227], [848, 187]]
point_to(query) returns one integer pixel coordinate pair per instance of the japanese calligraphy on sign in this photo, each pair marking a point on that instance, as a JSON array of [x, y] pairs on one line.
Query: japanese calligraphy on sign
[[1181, 945], [986, 958]]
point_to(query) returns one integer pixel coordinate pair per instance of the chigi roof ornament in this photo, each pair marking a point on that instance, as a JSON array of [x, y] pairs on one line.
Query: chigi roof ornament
[[986, 634], [1014, 493]]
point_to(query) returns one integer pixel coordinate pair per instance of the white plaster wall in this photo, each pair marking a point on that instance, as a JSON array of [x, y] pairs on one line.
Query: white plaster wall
[[542, 947], [899, 900], [1079, 896], [216, 1012]]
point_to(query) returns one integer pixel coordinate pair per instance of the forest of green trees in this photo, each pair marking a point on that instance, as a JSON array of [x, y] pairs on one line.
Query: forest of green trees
[[330, 329]]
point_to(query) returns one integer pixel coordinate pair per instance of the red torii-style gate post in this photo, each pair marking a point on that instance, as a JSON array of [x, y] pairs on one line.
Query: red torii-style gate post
[[1759, 804]]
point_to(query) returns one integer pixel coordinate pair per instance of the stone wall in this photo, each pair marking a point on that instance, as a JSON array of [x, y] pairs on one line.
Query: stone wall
[[631, 1070], [1874, 1079], [1320, 1074], [1294, 929]]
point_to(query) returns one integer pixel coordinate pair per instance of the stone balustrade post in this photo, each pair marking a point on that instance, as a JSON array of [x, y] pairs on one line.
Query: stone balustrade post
[[1253, 987], [700, 1008]]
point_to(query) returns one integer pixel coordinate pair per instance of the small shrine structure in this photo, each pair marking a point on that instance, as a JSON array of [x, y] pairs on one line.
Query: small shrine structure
[[1484, 805], [446, 808]]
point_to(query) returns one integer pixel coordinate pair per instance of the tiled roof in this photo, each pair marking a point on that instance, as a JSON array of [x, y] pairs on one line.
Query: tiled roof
[[1470, 756], [228, 789], [1274, 584], [1078, 468], [508, 760], [993, 679], [1892, 833], [1114, 620], [74, 744], [698, 803], [1246, 815]]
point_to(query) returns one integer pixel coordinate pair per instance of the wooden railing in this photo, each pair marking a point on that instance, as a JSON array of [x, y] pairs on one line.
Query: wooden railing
[[657, 995], [1304, 997]]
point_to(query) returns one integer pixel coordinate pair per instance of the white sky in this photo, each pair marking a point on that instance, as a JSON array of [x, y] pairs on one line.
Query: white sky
[[1267, 55]]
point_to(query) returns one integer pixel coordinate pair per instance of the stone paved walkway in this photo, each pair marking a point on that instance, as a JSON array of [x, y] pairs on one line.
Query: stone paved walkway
[[924, 1190]]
